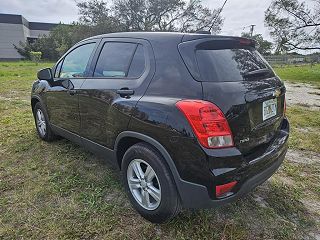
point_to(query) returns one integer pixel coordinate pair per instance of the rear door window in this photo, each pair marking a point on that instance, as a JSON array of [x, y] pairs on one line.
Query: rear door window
[[120, 60], [138, 63], [231, 64]]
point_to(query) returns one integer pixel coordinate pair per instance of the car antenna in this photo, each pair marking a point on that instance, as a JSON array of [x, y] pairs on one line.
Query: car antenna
[[215, 18]]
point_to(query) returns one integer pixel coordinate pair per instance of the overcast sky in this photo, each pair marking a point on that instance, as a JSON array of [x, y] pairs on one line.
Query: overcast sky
[[237, 13]]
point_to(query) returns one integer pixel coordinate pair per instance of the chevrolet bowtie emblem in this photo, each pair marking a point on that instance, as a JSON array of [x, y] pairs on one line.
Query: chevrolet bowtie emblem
[[277, 93]]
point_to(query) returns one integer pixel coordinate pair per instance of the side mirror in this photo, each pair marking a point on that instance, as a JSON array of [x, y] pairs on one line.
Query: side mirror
[[45, 74], [67, 84]]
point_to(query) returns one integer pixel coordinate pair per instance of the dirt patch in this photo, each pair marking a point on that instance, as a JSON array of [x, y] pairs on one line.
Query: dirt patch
[[13, 98], [313, 205], [304, 157], [303, 94]]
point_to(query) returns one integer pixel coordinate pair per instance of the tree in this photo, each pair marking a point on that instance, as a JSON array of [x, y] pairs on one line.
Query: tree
[[263, 46], [294, 25], [149, 15], [99, 17], [53, 46]]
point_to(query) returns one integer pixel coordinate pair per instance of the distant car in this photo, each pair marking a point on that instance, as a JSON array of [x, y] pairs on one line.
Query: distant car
[[191, 120]]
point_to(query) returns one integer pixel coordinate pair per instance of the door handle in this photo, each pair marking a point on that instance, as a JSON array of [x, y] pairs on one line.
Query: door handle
[[125, 92], [72, 91]]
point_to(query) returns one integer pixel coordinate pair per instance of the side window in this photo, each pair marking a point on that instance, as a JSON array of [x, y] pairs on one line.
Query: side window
[[114, 59], [75, 63], [138, 63], [58, 69]]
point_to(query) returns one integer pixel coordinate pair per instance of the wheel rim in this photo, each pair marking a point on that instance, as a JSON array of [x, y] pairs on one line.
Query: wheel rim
[[41, 122], [144, 184]]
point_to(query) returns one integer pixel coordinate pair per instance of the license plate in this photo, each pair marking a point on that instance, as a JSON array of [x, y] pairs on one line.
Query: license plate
[[269, 109]]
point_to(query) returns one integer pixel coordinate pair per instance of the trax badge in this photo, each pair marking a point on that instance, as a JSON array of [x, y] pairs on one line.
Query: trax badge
[[244, 140], [277, 93]]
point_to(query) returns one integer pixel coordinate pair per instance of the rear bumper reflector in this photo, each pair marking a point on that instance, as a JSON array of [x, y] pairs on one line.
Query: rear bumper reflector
[[222, 190]]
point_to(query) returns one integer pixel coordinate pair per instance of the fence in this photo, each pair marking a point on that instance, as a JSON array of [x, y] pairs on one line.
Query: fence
[[292, 59]]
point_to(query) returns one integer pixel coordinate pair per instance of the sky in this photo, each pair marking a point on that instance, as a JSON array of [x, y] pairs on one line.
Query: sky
[[238, 14]]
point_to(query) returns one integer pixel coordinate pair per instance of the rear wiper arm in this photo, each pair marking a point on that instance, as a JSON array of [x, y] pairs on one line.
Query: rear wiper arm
[[257, 72]]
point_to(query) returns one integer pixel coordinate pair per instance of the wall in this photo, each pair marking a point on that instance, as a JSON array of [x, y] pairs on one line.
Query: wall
[[11, 34]]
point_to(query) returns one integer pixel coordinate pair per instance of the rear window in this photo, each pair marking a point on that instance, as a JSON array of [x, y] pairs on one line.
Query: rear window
[[236, 64]]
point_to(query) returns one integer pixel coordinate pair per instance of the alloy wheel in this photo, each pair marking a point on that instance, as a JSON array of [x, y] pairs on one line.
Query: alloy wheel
[[144, 184], [41, 123]]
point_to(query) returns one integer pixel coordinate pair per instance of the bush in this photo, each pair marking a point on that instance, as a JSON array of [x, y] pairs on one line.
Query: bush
[[35, 56], [59, 40]]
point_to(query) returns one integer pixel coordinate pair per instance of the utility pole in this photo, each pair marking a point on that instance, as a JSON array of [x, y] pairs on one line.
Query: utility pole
[[251, 29]]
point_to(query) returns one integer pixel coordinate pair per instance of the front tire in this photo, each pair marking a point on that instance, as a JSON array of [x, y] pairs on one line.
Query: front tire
[[42, 123], [149, 185]]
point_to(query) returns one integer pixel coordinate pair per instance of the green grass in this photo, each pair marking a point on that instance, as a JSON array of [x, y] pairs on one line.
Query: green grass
[[300, 74], [58, 190], [305, 128], [16, 77]]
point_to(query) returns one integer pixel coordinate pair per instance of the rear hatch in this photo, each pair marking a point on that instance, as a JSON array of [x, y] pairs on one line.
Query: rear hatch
[[237, 79]]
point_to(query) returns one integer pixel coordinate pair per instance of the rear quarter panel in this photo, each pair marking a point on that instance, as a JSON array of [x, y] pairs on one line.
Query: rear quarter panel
[[156, 115]]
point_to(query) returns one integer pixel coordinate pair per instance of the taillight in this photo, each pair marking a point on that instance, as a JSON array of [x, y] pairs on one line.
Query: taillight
[[208, 123]]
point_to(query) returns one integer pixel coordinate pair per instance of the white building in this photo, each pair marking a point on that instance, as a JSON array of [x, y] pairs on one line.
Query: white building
[[15, 29]]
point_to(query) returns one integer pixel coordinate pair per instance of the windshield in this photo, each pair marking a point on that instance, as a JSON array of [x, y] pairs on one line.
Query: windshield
[[232, 65]]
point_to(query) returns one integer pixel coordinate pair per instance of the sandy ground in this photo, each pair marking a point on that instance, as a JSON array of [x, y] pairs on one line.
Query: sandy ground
[[303, 95], [304, 157]]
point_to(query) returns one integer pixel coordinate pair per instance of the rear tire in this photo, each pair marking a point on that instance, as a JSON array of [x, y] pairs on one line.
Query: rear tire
[[152, 191], [42, 123]]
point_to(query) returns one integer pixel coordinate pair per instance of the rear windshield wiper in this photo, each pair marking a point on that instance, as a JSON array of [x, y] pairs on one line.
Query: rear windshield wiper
[[262, 71]]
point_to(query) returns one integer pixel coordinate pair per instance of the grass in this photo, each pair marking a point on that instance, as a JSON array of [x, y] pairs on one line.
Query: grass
[[305, 128], [300, 74], [58, 190], [19, 75]]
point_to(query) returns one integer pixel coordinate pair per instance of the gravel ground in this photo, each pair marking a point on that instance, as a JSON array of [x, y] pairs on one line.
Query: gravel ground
[[303, 95], [304, 157]]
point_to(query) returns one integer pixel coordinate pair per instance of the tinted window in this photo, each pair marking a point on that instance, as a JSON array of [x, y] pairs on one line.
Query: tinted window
[[75, 63], [230, 64], [138, 63], [114, 59]]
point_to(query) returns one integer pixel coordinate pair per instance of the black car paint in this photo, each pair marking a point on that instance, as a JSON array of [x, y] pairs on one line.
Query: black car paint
[[104, 122]]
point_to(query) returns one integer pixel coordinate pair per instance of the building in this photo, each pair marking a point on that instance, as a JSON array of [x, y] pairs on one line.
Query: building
[[15, 29]]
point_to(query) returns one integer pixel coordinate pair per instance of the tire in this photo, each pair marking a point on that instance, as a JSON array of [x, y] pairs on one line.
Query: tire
[[160, 208], [44, 132]]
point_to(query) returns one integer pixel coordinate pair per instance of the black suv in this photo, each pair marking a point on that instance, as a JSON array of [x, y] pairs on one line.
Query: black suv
[[191, 120]]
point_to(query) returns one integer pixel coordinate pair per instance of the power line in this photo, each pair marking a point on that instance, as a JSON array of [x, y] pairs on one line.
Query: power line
[[214, 20]]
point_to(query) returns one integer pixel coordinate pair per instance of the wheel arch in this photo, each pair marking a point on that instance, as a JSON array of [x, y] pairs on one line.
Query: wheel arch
[[34, 101], [134, 138], [187, 190]]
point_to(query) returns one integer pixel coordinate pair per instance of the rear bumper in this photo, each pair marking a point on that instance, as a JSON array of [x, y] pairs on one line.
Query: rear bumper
[[249, 175]]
